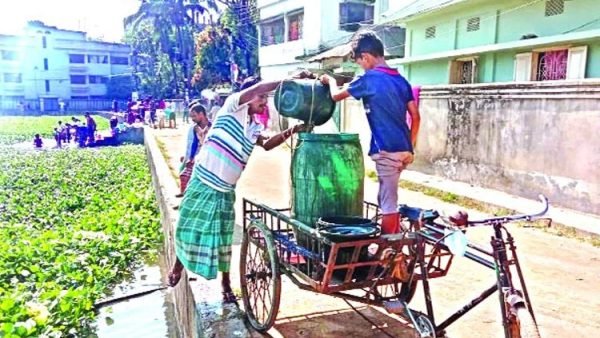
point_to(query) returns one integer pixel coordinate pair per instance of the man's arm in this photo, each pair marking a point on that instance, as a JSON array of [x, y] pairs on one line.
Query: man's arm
[[415, 118], [337, 94], [274, 141]]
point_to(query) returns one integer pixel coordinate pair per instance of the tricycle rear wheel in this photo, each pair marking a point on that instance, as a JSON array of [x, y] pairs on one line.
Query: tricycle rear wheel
[[260, 277]]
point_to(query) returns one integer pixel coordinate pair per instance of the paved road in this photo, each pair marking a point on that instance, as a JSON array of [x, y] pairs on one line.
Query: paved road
[[563, 274]]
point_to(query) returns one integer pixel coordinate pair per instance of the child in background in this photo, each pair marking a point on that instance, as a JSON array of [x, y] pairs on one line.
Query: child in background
[[37, 141]]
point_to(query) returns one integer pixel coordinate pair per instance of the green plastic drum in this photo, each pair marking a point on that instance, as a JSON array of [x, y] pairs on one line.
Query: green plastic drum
[[294, 99], [328, 175]]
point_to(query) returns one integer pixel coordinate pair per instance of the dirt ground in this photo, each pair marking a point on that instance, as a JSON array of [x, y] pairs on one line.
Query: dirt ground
[[563, 274]]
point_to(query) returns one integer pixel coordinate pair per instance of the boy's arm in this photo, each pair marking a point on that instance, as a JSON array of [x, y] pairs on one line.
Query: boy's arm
[[337, 94], [415, 117]]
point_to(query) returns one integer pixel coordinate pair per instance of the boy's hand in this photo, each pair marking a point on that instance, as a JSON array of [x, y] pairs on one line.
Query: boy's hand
[[325, 79]]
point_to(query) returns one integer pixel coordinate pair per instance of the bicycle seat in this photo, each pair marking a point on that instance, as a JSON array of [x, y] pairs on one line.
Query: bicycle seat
[[413, 214]]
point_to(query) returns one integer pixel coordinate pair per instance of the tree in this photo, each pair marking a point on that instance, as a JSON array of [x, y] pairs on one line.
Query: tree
[[240, 19], [161, 35], [234, 38], [212, 58], [119, 87]]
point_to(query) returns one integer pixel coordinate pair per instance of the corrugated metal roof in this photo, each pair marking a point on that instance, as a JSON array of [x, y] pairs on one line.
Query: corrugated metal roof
[[418, 7], [393, 39]]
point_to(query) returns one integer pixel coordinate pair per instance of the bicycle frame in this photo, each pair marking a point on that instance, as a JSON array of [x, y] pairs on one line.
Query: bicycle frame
[[504, 256]]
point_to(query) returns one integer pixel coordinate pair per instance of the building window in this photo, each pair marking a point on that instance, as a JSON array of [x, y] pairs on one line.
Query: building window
[[555, 7], [44, 42], [119, 60], [384, 5], [354, 14], [551, 65], [79, 97], [97, 59], [12, 78], [272, 32], [76, 58], [45, 63], [47, 82], [463, 71], [9, 55], [78, 79], [430, 32], [96, 79], [473, 24], [295, 22], [97, 97]]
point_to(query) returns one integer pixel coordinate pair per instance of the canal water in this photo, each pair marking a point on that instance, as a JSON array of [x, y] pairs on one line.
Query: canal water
[[148, 316]]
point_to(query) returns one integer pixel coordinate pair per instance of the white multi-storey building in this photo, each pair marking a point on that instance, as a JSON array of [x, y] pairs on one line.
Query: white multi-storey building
[[47, 62], [294, 28]]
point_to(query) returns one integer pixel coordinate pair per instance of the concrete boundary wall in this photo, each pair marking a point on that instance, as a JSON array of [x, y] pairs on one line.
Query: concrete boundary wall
[[166, 188], [520, 138]]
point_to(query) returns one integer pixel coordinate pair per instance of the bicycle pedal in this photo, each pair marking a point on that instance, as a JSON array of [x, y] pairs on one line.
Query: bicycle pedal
[[394, 306]]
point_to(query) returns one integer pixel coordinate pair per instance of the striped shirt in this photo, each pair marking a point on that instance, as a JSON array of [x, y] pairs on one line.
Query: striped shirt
[[228, 146]]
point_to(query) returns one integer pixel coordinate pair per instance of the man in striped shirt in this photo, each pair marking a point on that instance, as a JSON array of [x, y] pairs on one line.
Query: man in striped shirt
[[205, 229]]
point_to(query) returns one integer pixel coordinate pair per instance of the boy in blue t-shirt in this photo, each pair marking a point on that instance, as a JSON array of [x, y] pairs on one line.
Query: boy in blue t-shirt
[[386, 97]]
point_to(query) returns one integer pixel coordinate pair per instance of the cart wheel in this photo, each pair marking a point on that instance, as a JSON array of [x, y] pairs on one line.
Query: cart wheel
[[259, 277], [424, 327]]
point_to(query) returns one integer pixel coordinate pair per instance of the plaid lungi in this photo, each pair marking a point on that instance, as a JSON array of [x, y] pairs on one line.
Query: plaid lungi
[[205, 229], [185, 175]]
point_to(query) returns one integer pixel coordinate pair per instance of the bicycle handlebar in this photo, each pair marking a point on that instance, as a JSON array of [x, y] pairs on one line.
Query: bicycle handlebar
[[507, 219]]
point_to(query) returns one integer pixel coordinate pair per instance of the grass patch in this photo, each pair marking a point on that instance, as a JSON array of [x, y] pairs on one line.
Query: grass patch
[[166, 154], [15, 129]]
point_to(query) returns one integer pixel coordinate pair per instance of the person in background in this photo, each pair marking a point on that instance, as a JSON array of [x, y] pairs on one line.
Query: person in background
[[61, 132], [37, 141], [114, 121], [215, 108], [57, 138], [170, 112], [206, 220], [82, 135], [67, 129], [142, 107], [195, 140], [386, 97], [161, 115], [115, 106], [186, 115], [75, 122], [91, 128]]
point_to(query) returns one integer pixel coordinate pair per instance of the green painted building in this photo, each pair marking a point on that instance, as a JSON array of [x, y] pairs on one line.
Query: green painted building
[[489, 41]]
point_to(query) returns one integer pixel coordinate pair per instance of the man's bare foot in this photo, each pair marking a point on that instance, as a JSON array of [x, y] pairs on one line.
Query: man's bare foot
[[175, 273], [228, 295]]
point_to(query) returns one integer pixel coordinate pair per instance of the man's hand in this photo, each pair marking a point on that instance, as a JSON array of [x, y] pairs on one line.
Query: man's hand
[[303, 74], [299, 128]]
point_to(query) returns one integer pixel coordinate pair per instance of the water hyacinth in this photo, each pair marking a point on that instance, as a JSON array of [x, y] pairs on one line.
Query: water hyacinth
[[73, 223]]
